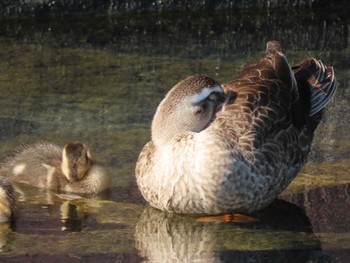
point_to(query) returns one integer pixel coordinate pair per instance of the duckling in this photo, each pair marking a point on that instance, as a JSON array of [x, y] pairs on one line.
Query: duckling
[[209, 156], [7, 200], [46, 165]]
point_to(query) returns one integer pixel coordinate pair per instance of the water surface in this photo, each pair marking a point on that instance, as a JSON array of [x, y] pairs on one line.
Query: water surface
[[99, 79]]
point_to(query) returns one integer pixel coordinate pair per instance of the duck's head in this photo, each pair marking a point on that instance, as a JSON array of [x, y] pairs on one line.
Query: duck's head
[[189, 106], [76, 161]]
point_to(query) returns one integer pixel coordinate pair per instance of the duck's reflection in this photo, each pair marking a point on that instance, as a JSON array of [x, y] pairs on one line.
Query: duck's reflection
[[162, 237], [283, 234]]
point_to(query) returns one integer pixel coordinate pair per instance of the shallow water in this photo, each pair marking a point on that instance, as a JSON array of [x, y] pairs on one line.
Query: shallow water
[[98, 79]]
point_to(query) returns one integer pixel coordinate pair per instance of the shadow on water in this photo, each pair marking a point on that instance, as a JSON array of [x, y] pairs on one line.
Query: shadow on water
[[99, 79], [328, 210]]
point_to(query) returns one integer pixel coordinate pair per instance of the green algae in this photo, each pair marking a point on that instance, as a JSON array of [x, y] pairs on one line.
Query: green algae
[[316, 175]]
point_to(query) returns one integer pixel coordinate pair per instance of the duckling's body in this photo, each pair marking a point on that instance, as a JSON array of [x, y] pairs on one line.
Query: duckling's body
[[7, 200], [245, 152], [47, 165]]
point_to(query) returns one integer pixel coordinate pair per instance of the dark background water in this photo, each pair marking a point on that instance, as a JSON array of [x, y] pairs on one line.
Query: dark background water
[[14, 8], [75, 72]]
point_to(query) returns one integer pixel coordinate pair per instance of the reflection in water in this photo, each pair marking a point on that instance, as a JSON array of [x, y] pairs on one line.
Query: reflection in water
[[42, 218], [50, 218], [45, 211], [71, 217], [162, 237], [89, 235], [283, 234], [5, 235]]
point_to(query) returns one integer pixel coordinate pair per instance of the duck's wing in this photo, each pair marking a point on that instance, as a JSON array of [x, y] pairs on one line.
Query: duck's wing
[[265, 95], [276, 108], [266, 122], [317, 86]]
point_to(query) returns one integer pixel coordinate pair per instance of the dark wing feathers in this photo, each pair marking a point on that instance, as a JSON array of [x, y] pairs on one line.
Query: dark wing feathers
[[317, 85], [276, 95]]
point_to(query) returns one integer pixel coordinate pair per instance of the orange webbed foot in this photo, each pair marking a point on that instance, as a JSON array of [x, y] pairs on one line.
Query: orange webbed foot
[[228, 218]]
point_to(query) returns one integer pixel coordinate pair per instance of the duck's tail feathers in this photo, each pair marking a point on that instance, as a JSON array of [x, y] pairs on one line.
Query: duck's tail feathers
[[316, 86], [280, 64]]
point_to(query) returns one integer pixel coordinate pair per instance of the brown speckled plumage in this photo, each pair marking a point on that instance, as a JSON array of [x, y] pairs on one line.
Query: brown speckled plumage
[[251, 149]]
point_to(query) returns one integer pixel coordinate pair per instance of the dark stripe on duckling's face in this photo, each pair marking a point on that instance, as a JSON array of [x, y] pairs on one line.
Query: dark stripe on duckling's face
[[77, 160]]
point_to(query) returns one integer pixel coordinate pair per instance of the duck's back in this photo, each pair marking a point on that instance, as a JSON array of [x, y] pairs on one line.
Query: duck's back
[[270, 97], [270, 123], [38, 165], [264, 99]]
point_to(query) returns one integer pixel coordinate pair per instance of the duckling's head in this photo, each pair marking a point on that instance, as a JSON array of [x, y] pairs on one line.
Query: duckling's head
[[189, 106], [76, 161]]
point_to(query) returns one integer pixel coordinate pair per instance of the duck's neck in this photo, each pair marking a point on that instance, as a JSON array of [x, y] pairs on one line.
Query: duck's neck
[[162, 138], [164, 129]]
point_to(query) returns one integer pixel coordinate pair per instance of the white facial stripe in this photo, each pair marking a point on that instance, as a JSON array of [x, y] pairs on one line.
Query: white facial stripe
[[65, 164], [206, 92]]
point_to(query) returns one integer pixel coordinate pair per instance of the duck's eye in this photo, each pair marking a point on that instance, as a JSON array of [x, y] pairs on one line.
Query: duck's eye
[[212, 97], [201, 109]]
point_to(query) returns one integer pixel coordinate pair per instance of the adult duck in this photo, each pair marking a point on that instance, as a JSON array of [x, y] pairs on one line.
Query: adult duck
[[234, 147]]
